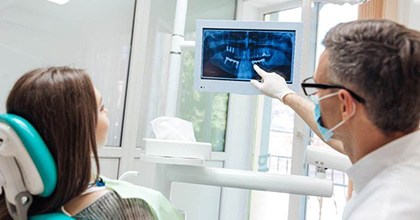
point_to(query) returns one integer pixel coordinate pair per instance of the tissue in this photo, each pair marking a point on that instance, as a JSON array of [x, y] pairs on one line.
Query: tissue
[[172, 128], [175, 143]]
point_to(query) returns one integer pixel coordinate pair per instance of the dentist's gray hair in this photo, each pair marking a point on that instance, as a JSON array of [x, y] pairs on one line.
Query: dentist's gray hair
[[379, 60]]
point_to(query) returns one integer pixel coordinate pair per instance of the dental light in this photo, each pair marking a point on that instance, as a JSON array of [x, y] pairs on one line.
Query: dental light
[[59, 2], [341, 2]]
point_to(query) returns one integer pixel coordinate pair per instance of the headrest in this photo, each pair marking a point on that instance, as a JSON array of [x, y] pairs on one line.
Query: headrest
[[17, 132]]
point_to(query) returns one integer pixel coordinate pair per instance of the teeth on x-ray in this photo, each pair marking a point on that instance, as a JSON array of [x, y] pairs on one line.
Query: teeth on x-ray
[[265, 54], [235, 52], [230, 49], [258, 61], [232, 61]]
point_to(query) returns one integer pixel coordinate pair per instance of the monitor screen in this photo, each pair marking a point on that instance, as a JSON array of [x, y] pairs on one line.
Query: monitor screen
[[227, 50]]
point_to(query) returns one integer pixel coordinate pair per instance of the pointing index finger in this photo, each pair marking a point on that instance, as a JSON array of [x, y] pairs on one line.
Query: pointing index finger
[[259, 71]]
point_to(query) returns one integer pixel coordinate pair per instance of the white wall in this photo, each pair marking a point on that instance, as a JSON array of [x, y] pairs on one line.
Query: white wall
[[40, 33], [409, 13]]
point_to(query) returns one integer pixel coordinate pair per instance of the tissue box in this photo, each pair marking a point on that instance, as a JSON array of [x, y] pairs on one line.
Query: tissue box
[[180, 149]]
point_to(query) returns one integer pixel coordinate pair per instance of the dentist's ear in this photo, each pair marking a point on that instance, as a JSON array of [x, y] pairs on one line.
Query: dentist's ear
[[347, 104]]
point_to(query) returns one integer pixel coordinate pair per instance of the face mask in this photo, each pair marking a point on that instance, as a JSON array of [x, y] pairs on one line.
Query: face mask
[[325, 132]]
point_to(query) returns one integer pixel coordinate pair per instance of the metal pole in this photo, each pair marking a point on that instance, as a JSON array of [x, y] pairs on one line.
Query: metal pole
[[175, 57]]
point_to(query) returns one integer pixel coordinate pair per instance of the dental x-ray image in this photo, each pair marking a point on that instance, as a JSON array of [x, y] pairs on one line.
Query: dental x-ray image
[[231, 53]]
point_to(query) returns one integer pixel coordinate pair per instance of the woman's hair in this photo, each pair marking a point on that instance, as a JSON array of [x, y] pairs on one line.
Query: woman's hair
[[60, 103]]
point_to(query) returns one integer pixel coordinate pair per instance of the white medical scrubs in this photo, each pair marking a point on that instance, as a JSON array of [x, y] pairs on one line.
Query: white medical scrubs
[[387, 182]]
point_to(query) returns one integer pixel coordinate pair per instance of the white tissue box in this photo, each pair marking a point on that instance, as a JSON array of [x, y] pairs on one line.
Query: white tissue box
[[177, 149]]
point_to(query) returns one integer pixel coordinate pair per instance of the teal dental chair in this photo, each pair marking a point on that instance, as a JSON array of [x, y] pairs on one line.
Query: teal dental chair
[[26, 168]]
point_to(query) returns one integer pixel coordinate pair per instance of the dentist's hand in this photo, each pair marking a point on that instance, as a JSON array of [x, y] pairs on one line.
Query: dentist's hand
[[272, 85]]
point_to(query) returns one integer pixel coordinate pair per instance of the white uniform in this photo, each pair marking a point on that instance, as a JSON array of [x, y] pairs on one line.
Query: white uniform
[[387, 182]]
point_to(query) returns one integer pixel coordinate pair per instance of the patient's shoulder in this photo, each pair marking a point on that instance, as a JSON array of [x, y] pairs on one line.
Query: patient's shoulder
[[80, 202], [111, 206]]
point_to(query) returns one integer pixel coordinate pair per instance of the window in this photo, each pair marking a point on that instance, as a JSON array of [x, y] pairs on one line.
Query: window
[[266, 205], [318, 207], [207, 111], [269, 205]]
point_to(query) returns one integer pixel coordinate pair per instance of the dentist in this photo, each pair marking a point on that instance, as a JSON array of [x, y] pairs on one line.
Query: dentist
[[366, 94]]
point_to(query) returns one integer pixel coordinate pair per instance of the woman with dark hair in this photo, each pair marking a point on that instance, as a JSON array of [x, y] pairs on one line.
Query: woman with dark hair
[[67, 110]]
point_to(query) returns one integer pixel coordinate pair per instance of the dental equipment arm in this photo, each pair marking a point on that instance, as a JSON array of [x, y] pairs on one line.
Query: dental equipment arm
[[327, 158], [322, 157], [244, 179], [168, 166], [165, 174]]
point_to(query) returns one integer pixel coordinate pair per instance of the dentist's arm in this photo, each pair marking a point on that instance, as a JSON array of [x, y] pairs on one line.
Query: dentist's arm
[[274, 86]]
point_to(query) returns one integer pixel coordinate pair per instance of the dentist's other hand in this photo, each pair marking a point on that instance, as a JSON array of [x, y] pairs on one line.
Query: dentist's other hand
[[272, 84]]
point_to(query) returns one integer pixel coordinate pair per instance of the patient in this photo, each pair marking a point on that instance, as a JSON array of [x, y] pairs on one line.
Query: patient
[[67, 111]]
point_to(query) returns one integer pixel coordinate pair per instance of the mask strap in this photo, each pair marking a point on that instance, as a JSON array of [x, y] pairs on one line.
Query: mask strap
[[338, 125], [327, 96]]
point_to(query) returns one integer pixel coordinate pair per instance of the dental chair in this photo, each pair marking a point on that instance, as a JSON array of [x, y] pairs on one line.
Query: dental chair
[[26, 168]]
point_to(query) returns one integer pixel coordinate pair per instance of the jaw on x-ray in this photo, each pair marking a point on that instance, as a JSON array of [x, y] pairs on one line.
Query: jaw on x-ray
[[230, 54]]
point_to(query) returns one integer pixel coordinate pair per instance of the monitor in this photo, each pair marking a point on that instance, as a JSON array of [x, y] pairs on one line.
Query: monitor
[[225, 52]]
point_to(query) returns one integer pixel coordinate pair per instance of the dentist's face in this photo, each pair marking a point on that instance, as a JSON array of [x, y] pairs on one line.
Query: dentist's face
[[103, 121], [328, 106]]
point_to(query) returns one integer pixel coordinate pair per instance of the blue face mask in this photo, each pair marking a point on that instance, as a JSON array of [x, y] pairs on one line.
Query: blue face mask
[[325, 132]]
